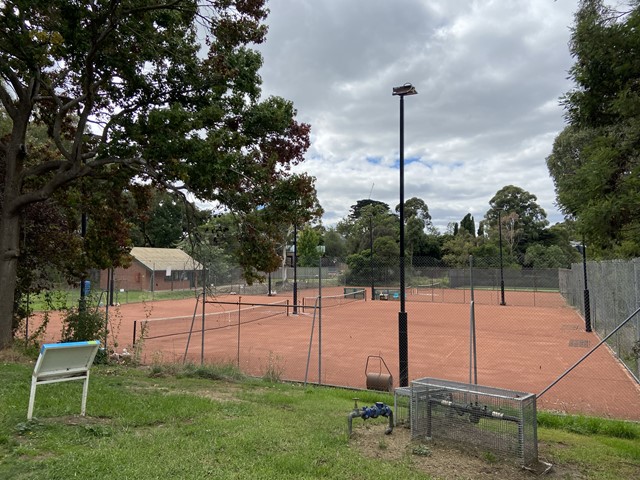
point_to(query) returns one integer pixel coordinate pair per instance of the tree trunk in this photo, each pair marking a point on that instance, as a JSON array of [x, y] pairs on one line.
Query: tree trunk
[[11, 186], [9, 250]]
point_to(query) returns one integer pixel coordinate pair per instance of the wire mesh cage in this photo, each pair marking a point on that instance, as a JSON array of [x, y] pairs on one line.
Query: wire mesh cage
[[492, 419], [402, 407]]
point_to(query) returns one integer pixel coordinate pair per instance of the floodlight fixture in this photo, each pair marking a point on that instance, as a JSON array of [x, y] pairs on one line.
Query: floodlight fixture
[[406, 89]]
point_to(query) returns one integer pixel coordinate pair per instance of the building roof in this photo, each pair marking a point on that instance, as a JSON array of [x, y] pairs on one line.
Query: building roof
[[164, 259]]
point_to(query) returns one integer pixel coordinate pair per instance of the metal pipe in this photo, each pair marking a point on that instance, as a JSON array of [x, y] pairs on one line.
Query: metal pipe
[[475, 411], [375, 411]]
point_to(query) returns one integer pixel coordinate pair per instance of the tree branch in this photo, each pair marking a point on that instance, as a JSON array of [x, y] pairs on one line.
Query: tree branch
[[67, 173], [13, 80]]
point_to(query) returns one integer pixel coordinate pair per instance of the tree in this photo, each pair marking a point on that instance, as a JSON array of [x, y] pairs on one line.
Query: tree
[[595, 162], [522, 218], [468, 224], [336, 245], [374, 219], [416, 207], [214, 243], [357, 209], [165, 113], [417, 220], [167, 221], [539, 256], [308, 241]]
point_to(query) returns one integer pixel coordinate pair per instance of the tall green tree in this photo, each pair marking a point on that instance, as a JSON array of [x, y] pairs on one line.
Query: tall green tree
[[417, 222], [366, 204], [595, 162], [374, 220], [468, 224], [167, 112], [308, 242], [336, 245], [523, 220]]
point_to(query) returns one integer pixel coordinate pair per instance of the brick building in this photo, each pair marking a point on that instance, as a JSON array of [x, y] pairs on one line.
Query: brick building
[[156, 269]]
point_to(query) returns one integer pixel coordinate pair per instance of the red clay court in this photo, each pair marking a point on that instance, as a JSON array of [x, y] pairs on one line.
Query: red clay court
[[522, 348]]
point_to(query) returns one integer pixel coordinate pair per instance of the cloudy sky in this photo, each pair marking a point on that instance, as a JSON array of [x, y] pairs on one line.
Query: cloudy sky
[[489, 74]]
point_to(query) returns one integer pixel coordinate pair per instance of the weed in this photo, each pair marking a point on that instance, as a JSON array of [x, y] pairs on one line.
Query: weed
[[421, 450], [28, 427], [274, 368], [490, 457]]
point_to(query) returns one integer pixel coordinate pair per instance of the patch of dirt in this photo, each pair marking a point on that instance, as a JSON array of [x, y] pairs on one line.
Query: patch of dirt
[[76, 420], [445, 461]]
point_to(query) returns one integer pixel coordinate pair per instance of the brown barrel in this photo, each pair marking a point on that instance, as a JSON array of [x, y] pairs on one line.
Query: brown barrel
[[379, 381]]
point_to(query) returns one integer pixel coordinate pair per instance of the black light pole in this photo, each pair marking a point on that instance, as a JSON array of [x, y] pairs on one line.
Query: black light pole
[[403, 340], [373, 287], [502, 302], [587, 305], [295, 268]]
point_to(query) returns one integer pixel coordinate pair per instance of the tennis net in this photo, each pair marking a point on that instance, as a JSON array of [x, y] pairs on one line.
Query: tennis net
[[427, 289], [350, 296], [182, 325]]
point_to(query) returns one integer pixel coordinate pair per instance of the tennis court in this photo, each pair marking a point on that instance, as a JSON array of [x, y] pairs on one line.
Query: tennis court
[[518, 348]]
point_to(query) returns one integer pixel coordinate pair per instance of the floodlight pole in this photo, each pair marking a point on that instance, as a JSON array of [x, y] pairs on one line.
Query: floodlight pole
[[373, 287], [403, 341], [502, 302], [587, 304], [295, 268]]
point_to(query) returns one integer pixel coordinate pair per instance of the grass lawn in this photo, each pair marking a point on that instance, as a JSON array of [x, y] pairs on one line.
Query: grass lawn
[[61, 299], [209, 422]]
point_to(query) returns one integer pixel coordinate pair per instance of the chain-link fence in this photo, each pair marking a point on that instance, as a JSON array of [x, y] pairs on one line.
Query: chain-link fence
[[613, 292], [528, 334]]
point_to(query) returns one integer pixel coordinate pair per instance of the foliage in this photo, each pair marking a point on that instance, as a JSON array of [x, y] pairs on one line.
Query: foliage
[[308, 241], [539, 256], [522, 220], [456, 250], [167, 221], [335, 245], [169, 113], [417, 220], [374, 220], [594, 162], [214, 244], [51, 250], [468, 224], [83, 324], [365, 207]]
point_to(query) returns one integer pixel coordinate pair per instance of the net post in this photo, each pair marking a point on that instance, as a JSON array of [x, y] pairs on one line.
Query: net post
[[135, 325]]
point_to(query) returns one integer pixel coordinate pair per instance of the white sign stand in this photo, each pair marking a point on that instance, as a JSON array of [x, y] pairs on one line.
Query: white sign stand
[[63, 362]]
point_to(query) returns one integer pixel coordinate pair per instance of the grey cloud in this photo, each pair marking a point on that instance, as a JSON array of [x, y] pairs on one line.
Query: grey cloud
[[489, 75]]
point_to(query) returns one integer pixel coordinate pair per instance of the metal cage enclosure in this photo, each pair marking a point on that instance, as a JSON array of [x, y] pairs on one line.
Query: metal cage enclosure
[[490, 419]]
